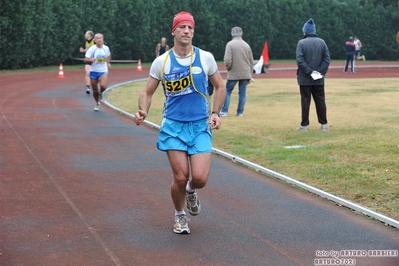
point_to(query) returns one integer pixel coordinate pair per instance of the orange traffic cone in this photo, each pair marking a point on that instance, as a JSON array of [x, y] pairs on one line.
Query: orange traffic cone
[[139, 69], [61, 72]]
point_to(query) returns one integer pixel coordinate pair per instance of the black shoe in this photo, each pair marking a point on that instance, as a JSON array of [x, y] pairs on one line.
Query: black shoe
[[87, 90]]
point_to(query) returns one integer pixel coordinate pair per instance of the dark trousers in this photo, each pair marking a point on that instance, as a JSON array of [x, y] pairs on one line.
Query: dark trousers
[[317, 91], [349, 58]]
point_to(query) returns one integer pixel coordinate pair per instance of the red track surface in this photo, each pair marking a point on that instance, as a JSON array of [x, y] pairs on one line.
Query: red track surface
[[79, 187]]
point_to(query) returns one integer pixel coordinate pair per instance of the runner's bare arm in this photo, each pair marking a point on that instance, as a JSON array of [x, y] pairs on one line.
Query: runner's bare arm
[[219, 95], [145, 100]]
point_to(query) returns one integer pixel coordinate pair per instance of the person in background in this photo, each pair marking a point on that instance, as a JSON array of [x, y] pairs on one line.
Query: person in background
[[89, 42], [350, 55], [186, 130], [358, 47], [312, 57], [397, 37], [161, 47], [99, 57], [239, 61]]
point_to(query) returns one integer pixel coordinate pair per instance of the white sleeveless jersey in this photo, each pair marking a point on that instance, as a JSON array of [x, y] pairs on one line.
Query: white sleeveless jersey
[[101, 54], [357, 46]]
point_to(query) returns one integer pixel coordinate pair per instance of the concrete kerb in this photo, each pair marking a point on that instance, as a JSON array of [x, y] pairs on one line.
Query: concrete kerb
[[346, 203], [356, 207]]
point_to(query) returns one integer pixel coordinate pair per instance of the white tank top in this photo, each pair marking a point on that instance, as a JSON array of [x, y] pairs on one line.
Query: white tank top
[[357, 46]]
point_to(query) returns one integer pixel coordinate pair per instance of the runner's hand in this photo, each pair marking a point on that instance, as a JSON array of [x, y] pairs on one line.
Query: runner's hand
[[215, 121], [139, 117]]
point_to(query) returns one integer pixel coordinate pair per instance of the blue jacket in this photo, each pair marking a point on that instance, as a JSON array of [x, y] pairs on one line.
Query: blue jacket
[[350, 48]]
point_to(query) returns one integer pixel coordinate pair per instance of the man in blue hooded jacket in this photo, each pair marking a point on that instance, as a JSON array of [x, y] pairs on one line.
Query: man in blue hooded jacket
[[313, 59]]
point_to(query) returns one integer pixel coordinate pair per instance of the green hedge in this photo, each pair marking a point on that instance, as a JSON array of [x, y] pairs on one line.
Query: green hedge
[[47, 32]]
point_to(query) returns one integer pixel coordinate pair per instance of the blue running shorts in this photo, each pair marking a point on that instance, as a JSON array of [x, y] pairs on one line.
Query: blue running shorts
[[96, 75], [191, 137]]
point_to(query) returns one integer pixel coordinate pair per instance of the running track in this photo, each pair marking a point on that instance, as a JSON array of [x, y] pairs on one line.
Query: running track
[[79, 187]]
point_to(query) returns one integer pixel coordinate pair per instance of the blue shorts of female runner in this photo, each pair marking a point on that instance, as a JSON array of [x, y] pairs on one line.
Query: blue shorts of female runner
[[96, 75], [192, 137]]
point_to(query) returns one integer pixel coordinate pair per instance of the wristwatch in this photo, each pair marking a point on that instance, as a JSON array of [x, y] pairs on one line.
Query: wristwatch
[[214, 112]]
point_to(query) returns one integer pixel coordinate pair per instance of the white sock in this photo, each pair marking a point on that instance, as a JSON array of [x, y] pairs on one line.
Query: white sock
[[188, 188], [180, 212]]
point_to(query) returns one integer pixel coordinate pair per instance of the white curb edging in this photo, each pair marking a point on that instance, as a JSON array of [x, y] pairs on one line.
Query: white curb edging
[[311, 189], [354, 206]]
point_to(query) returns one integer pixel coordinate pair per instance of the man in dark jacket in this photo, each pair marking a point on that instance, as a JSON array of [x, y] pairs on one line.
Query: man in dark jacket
[[350, 55], [313, 59]]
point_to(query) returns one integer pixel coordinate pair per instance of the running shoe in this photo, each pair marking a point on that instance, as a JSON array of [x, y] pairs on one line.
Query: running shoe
[[97, 107], [87, 90], [101, 97], [193, 203], [181, 225]]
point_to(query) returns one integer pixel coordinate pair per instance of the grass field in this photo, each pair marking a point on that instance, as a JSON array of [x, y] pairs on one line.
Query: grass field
[[356, 159]]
